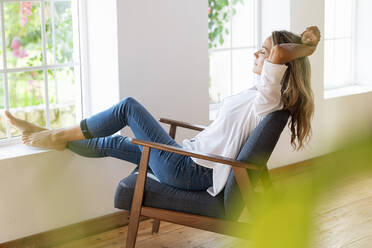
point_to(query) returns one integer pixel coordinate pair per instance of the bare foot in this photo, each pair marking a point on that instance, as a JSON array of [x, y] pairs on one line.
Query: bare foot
[[22, 125], [44, 139]]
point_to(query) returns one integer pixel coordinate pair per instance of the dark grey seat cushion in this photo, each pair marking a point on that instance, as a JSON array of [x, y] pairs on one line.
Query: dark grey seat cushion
[[160, 195]]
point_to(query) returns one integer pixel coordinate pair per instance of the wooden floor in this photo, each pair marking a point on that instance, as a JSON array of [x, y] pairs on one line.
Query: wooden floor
[[344, 221]]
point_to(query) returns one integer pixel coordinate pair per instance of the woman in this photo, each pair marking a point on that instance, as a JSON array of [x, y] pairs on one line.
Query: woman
[[284, 84]]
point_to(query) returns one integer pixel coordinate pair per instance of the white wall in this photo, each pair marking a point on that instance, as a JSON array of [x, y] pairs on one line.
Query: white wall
[[50, 190], [272, 19], [102, 48], [163, 57]]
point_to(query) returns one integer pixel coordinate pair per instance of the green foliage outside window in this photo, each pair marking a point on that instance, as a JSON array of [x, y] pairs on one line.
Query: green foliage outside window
[[219, 13], [24, 48]]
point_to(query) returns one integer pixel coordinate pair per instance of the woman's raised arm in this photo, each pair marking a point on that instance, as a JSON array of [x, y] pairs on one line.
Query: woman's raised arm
[[284, 53]]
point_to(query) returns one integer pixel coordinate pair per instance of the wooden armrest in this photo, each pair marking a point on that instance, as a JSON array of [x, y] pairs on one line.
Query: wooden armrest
[[183, 124], [209, 157]]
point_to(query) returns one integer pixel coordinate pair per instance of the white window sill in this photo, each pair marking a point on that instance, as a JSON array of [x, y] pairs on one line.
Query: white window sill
[[18, 150], [346, 91]]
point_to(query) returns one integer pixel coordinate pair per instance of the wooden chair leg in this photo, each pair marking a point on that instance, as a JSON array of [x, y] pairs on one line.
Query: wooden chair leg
[[135, 210], [155, 226], [132, 230]]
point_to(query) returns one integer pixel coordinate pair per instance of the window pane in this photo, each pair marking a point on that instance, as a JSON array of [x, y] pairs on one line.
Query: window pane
[[243, 24], [242, 69], [338, 18], [2, 126], [2, 92], [329, 19], [23, 34], [63, 92], [220, 75], [329, 69], [338, 45], [59, 31], [24, 48], [343, 61], [26, 95], [219, 24], [1, 47], [343, 18], [2, 107], [337, 63]]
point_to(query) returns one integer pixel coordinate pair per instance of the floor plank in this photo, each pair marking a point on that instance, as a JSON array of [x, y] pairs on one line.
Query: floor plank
[[345, 219]]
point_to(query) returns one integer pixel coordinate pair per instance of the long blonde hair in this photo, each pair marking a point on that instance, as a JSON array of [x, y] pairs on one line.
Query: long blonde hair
[[297, 95]]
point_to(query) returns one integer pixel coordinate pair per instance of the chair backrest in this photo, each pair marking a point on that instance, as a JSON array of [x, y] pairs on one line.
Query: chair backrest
[[257, 150]]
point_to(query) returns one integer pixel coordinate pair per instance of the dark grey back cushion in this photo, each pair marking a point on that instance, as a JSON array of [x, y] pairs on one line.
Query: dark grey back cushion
[[257, 150]]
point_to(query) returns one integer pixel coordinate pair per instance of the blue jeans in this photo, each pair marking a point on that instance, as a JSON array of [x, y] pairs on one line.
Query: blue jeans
[[172, 169]]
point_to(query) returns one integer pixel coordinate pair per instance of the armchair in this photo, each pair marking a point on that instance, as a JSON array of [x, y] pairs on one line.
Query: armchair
[[142, 194]]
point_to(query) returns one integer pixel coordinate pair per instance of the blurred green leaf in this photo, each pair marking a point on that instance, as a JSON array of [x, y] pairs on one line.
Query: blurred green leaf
[[284, 216]]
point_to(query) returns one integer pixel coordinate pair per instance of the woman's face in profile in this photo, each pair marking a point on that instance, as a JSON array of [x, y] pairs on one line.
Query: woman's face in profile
[[261, 55]]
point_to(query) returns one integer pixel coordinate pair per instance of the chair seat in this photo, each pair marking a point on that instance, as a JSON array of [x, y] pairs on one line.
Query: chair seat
[[160, 195]]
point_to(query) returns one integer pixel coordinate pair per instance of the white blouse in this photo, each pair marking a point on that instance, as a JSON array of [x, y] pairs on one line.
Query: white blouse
[[238, 115]]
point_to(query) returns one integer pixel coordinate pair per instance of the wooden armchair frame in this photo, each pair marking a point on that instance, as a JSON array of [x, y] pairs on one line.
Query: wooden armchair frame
[[201, 222]]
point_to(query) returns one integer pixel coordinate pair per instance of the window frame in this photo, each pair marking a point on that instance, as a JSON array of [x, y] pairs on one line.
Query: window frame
[[352, 82], [79, 62], [213, 107]]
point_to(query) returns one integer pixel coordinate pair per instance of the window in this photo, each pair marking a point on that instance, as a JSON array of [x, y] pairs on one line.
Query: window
[[339, 44], [40, 63], [233, 38]]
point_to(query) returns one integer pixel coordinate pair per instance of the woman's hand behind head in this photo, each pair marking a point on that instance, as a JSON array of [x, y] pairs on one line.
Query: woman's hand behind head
[[311, 36]]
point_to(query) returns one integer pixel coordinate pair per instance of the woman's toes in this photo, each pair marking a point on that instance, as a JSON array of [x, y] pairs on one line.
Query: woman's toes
[[25, 139], [30, 142]]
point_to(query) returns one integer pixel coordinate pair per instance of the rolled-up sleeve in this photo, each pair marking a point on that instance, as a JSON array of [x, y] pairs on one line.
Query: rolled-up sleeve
[[269, 88]]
